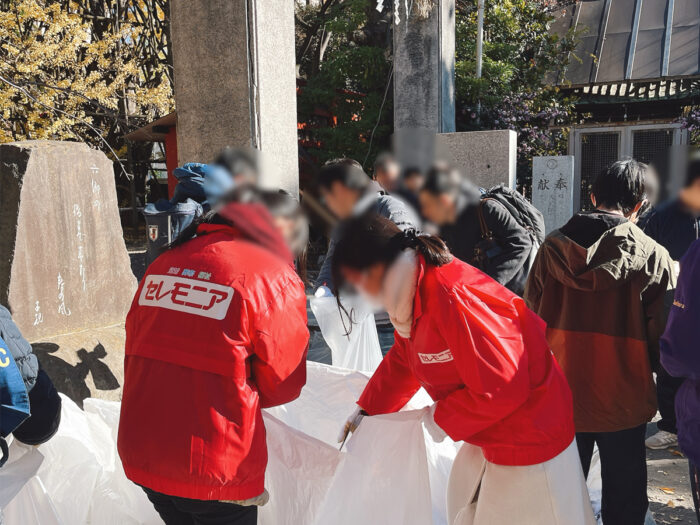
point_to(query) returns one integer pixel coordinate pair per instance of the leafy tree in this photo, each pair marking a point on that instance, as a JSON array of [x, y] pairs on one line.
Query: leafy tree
[[343, 56], [515, 91], [89, 70]]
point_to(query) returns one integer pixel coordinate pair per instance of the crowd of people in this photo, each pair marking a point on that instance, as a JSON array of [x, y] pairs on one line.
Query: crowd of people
[[533, 350]]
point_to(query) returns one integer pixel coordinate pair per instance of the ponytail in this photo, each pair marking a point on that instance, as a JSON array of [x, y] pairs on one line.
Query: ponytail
[[432, 248]]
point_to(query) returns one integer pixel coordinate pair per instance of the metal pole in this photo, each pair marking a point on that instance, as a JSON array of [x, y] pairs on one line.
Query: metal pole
[[479, 48]]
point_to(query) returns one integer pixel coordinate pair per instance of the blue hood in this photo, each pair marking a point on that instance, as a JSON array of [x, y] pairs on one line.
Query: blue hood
[[204, 183]]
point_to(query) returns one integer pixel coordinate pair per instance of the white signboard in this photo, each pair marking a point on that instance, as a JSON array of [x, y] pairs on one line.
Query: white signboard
[[553, 189]]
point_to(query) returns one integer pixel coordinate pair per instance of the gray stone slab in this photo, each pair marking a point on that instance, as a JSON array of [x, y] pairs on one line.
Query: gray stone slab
[[424, 98], [235, 82], [63, 264], [553, 189], [85, 364], [487, 158]]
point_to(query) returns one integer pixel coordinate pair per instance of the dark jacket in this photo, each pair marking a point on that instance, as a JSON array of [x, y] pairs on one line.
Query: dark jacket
[[679, 352], [602, 286], [508, 266], [374, 201], [673, 227]]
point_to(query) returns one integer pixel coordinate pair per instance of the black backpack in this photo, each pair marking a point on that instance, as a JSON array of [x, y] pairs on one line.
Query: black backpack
[[525, 214], [521, 209]]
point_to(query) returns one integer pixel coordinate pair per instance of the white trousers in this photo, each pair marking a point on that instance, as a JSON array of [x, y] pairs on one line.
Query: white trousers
[[550, 493]]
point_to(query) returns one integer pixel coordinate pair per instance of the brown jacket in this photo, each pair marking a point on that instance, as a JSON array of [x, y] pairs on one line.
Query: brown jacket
[[605, 306]]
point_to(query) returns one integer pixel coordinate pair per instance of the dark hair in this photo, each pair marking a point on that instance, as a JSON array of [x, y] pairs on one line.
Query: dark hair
[[348, 172], [693, 171], [382, 162], [621, 186], [238, 162], [411, 172], [443, 180], [370, 239]]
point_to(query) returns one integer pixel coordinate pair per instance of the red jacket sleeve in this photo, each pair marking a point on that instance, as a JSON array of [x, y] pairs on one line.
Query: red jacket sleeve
[[280, 344], [392, 385], [490, 358]]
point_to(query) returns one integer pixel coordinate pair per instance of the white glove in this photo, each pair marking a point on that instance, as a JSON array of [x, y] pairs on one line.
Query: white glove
[[351, 424], [435, 431], [323, 291]]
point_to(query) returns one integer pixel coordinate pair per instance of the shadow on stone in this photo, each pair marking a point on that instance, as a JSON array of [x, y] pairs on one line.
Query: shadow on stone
[[70, 379]]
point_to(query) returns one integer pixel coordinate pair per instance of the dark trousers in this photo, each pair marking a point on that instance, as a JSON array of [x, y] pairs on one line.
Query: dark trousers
[[666, 388], [183, 511], [695, 488], [624, 472]]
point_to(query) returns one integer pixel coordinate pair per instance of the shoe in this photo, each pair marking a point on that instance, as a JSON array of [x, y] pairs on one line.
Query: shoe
[[661, 440]]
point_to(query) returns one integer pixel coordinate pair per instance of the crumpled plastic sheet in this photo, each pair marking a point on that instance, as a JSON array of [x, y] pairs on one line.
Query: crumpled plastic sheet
[[358, 350], [390, 471]]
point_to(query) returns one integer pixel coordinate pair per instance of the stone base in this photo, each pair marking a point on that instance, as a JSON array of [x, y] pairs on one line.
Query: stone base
[[85, 364], [487, 158]]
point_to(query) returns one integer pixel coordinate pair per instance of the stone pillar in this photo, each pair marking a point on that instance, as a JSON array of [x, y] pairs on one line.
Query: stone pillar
[[235, 82], [424, 71], [553, 189]]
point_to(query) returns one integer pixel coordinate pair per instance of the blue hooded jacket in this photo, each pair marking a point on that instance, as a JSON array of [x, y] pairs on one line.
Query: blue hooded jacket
[[680, 353]]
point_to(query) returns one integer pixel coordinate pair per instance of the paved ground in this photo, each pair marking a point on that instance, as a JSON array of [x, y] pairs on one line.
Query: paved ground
[[668, 486]]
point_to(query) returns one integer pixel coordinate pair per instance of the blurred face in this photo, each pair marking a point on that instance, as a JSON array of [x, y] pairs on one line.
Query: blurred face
[[413, 183], [438, 209], [388, 178], [285, 226], [367, 282], [690, 196], [340, 199]]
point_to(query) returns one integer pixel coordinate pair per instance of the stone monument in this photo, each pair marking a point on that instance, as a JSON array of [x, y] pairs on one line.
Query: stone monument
[[486, 158], [553, 189], [424, 72], [64, 267], [235, 82]]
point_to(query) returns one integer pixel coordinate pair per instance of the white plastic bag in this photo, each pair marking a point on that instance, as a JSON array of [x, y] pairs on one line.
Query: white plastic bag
[[299, 472], [23, 463], [358, 350], [383, 478]]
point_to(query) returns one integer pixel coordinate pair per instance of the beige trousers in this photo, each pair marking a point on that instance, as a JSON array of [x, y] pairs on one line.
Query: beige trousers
[[550, 493]]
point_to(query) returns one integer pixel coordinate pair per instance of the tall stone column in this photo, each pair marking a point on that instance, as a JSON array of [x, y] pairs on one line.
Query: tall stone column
[[424, 72], [235, 82]]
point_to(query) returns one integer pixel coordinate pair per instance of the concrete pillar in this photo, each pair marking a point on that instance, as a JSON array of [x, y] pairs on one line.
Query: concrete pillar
[[235, 82], [424, 71]]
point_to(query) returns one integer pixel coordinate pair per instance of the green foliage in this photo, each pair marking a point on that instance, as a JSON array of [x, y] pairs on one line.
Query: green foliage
[[345, 81], [515, 91]]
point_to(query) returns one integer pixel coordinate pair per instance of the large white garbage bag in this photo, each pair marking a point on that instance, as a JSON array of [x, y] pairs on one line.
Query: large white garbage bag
[[23, 463], [81, 480], [358, 350], [299, 471], [383, 477]]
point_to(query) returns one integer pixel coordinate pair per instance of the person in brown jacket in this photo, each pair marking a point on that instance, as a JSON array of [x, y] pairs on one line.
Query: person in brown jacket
[[603, 286]]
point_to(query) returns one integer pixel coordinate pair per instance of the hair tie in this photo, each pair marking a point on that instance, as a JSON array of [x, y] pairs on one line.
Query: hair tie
[[409, 238]]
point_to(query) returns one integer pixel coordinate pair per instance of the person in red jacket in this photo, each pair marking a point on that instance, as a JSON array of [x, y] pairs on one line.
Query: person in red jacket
[[482, 356], [216, 332]]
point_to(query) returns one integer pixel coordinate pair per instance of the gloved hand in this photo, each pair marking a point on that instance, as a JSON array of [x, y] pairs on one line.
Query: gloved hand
[[351, 424], [323, 291], [435, 431]]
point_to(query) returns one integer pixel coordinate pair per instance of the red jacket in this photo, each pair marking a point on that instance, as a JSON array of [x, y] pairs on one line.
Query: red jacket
[[483, 357], [216, 332]]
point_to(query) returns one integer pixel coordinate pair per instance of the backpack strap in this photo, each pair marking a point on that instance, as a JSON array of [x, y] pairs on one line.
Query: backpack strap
[[486, 233]]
